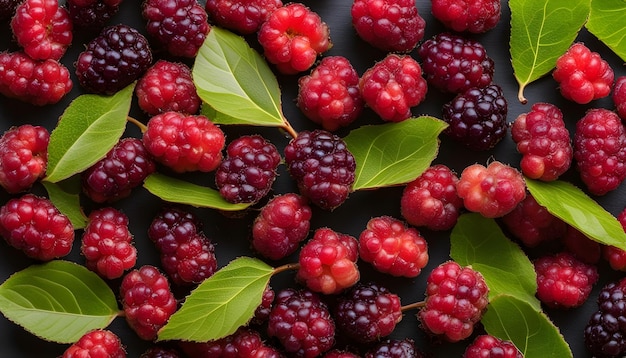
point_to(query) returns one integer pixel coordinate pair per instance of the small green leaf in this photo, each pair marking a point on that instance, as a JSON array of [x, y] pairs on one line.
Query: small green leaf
[[573, 206], [235, 81], [606, 22], [182, 192], [58, 301], [541, 31], [394, 153], [67, 203], [90, 126], [530, 330], [220, 304], [479, 242]]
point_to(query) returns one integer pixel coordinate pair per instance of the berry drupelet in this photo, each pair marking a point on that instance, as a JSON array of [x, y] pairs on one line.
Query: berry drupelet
[[23, 157], [97, 343]]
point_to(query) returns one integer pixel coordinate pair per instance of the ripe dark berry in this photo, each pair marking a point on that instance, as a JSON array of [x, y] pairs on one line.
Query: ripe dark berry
[[262, 312], [247, 173], [336, 353], [96, 344], [243, 16], [619, 97], [323, 167], [160, 352], [605, 334], [395, 348], [23, 157], [7, 8], [244, 343], [488, 346], [467, 15], [92, 14]]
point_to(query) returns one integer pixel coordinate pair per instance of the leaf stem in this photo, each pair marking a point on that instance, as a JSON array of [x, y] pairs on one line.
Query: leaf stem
[[142, 127], [520, 95], [286, 267], [413, 306], [289, 129]]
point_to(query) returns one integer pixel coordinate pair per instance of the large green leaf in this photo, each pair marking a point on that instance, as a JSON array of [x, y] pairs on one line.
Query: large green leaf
[[606, 22], [90, 126], [58, 301], [220, 304], [573, 206], [394, 153], [541, 31]]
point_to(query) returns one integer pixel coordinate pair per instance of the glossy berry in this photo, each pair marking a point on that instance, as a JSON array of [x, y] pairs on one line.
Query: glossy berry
[[107, 243], [394, 348], [184, 143], [117, 57], [544, 142], [292, 38], [391, 26], [600, 150], [160, 352], [247, 173], [619, 97], [244, 343], [178, 26], [488, 346], [454, 63], [605, 334], [328, 262], [583, 75], [35, 226], [431, 199], [282, 224], [98, 343], [23, 157], [392, 247], [242, 16], [167, 86], [492, 191], [330, 94], [35, 82], [392, 86], [262, 312], [92, 14], [42, 28], [323, 167], [147, 301], [124, 168], [477, 117], [336, 353], [563, 281], [456, 298], [467, 15], [301, 322]]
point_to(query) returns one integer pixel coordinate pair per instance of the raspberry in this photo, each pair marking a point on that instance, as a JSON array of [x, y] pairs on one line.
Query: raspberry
[[583, 75], [395, 348], [124, 168], [323, 167], [328, 262], [292, 38], [7, 8], [97, 343], [184, 143], [160, 352], [281, 226], [544, 142], [117, 57], [582, 247], [616, 256], [619, 97], [453, 63], [302, 323], [600, 150], [107, 243], [42, 28], [35, 82], [563, 281], [367, 312], [34, 225], [465, 15], [336, 353], [187, 255], [392, 86], [392, 247], [477, 117], [456, 298], [532, 223], [243, 16], [489, 346], [492, 191], [247, 173], [167, 86], [179, 26], [147, 301], [23, 157], [92, 14], [244, 343], [330, 95], [391, 26], [605, 334], [431, 199]]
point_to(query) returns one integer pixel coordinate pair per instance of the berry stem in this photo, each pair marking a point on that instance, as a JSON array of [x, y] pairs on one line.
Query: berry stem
[[289, 129], [286, 267], [520, 94], [136, 122], [413, 306]]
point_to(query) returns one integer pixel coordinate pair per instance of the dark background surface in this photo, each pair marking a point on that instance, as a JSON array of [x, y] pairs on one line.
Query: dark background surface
[[231, 235]]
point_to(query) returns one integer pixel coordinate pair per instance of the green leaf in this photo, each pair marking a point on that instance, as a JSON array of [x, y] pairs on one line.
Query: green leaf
[[220, 304], [90, 126], [182, 192], [68, 203], [394, 153], [606, 22], [479, 242], [235, 81], [573, 206], [541, 31], [58, 301], [530, 330]]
